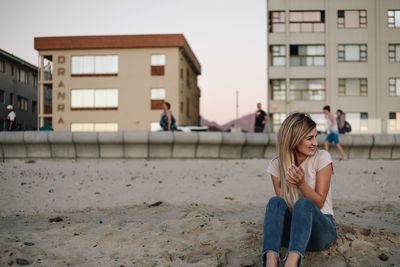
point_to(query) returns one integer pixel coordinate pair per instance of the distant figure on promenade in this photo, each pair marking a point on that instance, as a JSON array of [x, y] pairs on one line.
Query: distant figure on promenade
[[300, 216], [260, 120], [343, 125], [333, 132], [11, 119], [167, 122]]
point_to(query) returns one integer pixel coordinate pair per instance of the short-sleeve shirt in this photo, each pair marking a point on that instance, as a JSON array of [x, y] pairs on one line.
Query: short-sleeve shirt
[[11, 116], [311, 166], [260, 117]]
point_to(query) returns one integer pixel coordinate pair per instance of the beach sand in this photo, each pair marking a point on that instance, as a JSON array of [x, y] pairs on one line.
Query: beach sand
[[180, 213]]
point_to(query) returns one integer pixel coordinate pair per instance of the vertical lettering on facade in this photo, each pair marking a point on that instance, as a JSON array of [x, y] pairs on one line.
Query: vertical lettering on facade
[[60, 71], [61, 95], [61, 87]]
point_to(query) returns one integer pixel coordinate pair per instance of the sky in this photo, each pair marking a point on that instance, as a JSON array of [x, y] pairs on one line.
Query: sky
[[227, 36]]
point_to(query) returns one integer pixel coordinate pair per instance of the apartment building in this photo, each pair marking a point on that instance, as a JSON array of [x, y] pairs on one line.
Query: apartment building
[[18, 87], [116, 83], [343, 53]]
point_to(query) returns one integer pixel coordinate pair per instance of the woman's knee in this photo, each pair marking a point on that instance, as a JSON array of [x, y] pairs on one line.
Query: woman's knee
[[303, 204], [276, 202]]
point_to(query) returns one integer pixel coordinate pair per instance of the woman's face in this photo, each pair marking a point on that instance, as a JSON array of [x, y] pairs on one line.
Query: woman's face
[[308, 146]]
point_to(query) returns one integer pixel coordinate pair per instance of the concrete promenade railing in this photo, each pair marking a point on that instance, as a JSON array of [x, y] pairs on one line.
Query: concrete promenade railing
[[175, 145]]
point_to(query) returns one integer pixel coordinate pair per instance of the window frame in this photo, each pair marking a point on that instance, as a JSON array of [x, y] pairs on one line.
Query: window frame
[[75, 107], [311, 92], [361, 17], [392, 24], [94, 73], [278, 89], [363, 87], [394, 86], [306, 57], [362, 52]]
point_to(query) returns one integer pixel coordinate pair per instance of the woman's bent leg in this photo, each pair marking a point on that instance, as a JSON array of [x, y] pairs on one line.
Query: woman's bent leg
[[310, 228], [276, 217]]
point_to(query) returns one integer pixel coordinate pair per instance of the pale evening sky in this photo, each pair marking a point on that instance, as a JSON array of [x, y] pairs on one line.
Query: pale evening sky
[[227, 36]]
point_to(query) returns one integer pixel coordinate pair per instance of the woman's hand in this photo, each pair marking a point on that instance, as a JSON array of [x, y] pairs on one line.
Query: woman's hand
[[296, 175]]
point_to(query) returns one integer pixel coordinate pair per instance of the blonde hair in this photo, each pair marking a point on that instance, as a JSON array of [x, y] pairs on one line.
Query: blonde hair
[[292, 131]]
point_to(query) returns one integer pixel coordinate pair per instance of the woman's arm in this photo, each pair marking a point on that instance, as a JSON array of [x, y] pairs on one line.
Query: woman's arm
[[277, 185], [322, 184]]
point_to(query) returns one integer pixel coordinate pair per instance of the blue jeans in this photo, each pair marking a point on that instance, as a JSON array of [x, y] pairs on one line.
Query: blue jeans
[[305, 228]]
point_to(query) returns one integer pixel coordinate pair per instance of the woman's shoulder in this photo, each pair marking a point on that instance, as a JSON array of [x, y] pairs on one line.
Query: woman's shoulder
[[321, 158], [321, 154]]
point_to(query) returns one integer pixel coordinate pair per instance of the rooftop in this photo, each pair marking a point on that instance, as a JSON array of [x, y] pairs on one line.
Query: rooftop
[[118, 41]]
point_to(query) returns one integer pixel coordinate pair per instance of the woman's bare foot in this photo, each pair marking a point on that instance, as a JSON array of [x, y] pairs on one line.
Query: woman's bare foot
[[272, 259]]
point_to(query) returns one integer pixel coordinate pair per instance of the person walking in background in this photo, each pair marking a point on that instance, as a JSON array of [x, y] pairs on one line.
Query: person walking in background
[[260, 120], [167, 122], [300, 216], [341, 120], [333, 132], [343, 125], [11, 119]]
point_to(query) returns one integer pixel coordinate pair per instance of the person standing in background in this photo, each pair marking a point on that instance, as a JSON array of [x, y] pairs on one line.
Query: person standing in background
[[333, 132], [261, 119], [11, 119]]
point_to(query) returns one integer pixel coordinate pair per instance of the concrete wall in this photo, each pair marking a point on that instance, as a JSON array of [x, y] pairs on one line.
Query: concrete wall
[[142, 144]]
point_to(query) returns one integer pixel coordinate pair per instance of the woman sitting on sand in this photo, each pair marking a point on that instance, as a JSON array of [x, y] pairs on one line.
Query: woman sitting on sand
[[300, 216]]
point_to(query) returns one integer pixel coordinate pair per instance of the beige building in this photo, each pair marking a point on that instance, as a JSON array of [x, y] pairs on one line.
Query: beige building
[[343, 53], [116, 83]]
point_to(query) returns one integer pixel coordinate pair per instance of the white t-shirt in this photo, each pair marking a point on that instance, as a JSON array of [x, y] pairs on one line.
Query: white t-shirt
[[311, 166], [11, 116]]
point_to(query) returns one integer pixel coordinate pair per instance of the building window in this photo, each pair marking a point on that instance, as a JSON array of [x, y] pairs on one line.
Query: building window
[[188, 107], [307, 21], [23, 76], [94, 127], [394, 86], [278, 55], [94, 98], [157, 65], [157, 98], [352, 53], [181, 107], [187, 77], [277, 21], [352, 18], [393, 18], [12, 70], [278, 89], [181, 74], [2, 66], [307, 55], [394, 52], [22, 103], [353, 87], [34, 107], [11, 99], [277, 120], [94, 65], [307, 89], [2, 97], [394, 121]]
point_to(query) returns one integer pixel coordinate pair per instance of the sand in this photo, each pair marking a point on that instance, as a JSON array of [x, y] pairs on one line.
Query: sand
[[180, 213]]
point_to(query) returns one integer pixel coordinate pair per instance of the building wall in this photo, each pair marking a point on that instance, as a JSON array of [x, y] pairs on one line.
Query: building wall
[[377, 69], [134, 82], [10, 83], [188, 90]]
